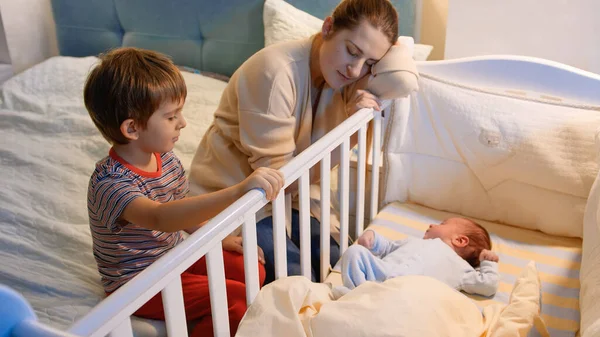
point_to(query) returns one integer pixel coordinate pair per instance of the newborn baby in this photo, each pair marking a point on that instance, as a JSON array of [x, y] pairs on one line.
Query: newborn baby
[[456, 252]]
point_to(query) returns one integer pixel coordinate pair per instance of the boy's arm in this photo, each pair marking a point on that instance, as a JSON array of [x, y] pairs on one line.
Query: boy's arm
[[191, 211], [483, 281], [180, 214]]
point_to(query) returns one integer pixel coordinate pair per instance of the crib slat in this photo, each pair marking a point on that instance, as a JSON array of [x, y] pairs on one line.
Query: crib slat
[[172, 297], [250, 257], [279, 236], [325, 214], [344, 194], [123, 330], [375, 166], [360, 184], [288, 210], [305, 252], [218, 295]]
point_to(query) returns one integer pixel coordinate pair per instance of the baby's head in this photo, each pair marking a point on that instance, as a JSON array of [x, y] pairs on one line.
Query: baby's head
[[465, 236], [130, 84]]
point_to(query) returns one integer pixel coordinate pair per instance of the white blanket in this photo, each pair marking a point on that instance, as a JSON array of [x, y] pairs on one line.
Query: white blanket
[[403, 306], [48, 149]]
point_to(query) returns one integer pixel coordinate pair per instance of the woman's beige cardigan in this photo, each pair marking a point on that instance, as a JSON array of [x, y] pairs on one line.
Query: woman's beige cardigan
[[265, 115]]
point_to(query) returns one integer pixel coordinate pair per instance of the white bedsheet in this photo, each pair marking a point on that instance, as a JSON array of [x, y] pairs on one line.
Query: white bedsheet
[[48, 150]]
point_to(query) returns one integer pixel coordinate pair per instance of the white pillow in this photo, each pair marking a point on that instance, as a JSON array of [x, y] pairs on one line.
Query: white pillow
[[284, 22]]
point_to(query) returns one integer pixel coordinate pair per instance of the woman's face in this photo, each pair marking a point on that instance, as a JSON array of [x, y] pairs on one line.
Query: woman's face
[[347, 55]]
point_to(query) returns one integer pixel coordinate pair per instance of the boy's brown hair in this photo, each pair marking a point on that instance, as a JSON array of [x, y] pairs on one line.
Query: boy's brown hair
[[479, 239], [130, 83]]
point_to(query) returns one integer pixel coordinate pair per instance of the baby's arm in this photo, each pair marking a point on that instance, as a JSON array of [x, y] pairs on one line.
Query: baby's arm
[[485, 280], [377, 244]]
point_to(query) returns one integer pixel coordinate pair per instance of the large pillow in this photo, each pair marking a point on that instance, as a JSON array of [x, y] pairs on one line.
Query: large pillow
[[284, 22], [493, 155]]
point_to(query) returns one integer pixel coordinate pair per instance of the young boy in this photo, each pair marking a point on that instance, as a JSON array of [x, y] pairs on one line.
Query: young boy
[[449, 252], [137, 195]]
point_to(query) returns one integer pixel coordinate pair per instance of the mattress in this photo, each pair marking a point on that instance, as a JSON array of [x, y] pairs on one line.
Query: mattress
[[558, 260]]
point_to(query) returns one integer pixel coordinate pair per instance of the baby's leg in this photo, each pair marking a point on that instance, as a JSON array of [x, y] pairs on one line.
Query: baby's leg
[[360, 265]]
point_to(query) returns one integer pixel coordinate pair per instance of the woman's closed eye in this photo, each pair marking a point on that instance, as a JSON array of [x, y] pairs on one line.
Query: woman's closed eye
[[355, 53], [352, 53]]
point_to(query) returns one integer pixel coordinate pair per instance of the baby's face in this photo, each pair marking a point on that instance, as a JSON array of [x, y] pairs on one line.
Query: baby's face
[[446, 230]]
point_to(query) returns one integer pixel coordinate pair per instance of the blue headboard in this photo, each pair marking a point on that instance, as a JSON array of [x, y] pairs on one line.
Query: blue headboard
[[210, 35]]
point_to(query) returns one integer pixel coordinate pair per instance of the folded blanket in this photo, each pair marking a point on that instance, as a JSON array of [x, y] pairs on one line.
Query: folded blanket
[[402, 306]]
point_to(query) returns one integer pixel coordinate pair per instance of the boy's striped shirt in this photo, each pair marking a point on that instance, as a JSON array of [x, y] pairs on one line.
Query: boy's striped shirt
[[122, 249]]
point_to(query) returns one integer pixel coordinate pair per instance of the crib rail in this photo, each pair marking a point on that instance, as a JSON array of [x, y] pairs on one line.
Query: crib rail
[[112, 316]]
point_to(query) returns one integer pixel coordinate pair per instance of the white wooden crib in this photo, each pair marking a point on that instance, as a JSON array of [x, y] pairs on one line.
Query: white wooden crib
[[112, 316]]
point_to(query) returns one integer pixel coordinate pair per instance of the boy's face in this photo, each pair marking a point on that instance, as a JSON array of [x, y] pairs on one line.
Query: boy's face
[[163, 128]]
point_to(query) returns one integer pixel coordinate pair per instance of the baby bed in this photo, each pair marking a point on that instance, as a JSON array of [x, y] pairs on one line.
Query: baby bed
[[487, 75]]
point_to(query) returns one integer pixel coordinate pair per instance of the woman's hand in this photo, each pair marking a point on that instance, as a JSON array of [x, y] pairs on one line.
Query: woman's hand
[[235, 244], [362, 99]]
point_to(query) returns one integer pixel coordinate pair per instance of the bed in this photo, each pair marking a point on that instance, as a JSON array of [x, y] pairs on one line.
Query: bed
[[49, 143]]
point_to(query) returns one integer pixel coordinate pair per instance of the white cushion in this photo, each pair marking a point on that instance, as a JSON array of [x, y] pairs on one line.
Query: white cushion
[[284, 22], [494, 157]]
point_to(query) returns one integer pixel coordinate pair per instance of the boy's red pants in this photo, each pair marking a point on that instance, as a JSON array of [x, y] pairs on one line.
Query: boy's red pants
[[196, 297]]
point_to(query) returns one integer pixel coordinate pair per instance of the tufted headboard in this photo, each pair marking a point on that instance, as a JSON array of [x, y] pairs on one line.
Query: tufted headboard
[[210, 35]]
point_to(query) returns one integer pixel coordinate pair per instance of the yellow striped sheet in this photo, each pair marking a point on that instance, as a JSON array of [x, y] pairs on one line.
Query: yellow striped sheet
[[551, 321], [559, 301], [506, 268], [403, 220], [510, 269], [388, 232], [560, 323], [497, 246], [547, 298], [500, 247], [509, 232], [505, 248]]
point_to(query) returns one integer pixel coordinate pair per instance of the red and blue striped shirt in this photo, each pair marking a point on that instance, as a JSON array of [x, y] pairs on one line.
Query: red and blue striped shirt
[[123, 249]]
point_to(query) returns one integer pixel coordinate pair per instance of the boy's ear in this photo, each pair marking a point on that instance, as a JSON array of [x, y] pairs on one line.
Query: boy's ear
[[460, 241], [129, 129]]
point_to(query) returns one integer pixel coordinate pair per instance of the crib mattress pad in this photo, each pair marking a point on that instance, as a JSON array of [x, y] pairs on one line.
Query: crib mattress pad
[[558, 260]]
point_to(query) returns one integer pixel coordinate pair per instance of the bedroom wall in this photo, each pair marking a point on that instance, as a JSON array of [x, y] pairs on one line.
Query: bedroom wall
[[30, 32], [558, 30], [433, 26], [31, 36], [508, 26]]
